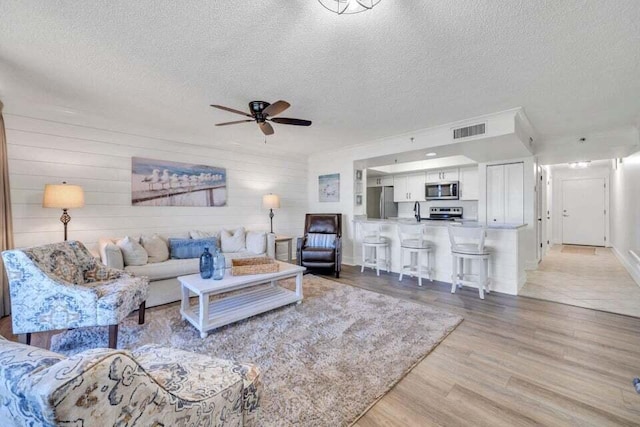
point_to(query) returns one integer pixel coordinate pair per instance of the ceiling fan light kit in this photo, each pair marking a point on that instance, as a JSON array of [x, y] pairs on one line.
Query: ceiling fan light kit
[[348, 7], [262, 113]]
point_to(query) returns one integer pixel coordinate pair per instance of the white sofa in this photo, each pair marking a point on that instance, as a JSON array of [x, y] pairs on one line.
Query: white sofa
[[163, 283]]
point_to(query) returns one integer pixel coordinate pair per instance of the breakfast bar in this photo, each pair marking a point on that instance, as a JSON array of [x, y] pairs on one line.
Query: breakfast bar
[[506, 266]]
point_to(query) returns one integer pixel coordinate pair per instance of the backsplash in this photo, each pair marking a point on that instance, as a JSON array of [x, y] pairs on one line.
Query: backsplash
[[469, 208]]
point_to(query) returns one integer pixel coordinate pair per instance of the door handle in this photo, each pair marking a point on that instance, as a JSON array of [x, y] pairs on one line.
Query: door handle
[[565, 215]]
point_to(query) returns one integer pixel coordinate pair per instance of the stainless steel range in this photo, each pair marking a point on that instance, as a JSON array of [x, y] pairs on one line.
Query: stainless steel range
[[444, 214]]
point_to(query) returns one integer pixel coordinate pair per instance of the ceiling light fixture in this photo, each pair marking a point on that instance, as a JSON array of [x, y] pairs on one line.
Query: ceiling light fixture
[[348, 7], [432, 154], [579, 165]]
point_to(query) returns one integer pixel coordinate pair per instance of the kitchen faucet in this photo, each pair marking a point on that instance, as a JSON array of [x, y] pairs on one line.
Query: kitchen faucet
[[416, 210]]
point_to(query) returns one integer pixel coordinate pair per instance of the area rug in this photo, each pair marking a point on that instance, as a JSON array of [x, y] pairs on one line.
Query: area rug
[[579, 250], [323, 362]]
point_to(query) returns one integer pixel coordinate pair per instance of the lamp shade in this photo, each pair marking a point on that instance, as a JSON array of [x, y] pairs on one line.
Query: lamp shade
[[271, 201], [63, 196]]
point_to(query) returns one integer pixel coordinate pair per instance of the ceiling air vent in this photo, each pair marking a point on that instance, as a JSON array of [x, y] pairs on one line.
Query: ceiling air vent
[[468, 131]]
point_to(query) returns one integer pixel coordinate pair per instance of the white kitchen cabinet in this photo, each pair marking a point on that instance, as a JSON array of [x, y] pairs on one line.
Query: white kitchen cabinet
[[408, 188], [469, 186], [514, 193], [443, 175], [505, 193], [416, 187], [380, 181]]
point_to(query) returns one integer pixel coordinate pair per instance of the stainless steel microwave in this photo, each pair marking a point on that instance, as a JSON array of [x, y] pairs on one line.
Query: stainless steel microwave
[[442, 190]]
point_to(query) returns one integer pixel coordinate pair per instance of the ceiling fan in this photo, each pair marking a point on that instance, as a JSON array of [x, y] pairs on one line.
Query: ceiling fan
[[262, 112]]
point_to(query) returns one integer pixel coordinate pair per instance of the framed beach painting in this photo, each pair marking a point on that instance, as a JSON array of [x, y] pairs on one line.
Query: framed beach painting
[[165, 183], [329, 187]]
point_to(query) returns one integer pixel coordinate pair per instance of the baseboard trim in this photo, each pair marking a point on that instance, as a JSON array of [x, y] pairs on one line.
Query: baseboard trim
[[531, 265], [634, 270], [348, 261]]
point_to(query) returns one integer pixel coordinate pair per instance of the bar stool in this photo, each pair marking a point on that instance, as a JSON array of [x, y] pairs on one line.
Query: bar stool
[[372, 240], [413, 240], [467, 242]]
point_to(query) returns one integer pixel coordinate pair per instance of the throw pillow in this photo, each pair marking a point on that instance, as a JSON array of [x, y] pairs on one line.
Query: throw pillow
[[190, 248], [197, 234], [132, 252], [257, 242], [233, 242], [319, 240], [112, 256], [156, 248]]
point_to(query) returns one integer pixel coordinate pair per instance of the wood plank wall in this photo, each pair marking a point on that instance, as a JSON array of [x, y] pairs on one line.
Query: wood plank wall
[[42, 152]]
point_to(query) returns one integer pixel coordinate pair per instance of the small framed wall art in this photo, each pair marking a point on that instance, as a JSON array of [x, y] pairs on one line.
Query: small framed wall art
[[329, 188]]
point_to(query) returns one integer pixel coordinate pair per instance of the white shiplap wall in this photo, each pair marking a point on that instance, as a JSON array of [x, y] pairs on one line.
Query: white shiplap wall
[[42, 151]]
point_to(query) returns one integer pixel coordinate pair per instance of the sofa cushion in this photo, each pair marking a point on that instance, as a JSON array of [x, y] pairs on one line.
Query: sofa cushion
[[233, 242], [256, 242], [132, 252], [165, 270], [320, 240], [156, 248], [190, 248], [180, 267]]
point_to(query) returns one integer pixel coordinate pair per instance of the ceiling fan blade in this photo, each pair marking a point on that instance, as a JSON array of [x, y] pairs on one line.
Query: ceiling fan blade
[[266, 128], [288, 121], [276, 108], [231, 110], [233, 123]]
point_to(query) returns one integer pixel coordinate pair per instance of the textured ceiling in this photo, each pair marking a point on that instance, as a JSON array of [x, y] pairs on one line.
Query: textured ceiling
[[406, 65]]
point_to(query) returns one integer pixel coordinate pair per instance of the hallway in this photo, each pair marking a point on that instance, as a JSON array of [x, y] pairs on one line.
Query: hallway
[[584, 277]]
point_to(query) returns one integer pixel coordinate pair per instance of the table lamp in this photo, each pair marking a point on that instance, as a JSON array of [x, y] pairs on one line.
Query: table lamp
[[63, 196], [271, 201]]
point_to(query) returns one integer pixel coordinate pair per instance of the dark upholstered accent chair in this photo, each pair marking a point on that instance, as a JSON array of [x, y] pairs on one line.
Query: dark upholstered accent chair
[[321, 245]]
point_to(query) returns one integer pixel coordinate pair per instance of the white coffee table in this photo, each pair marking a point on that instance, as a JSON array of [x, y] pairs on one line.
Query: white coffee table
[[206, 315]]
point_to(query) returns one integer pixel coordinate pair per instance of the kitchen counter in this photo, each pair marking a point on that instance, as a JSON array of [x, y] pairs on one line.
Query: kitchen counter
[[443, 223], [506, 267]]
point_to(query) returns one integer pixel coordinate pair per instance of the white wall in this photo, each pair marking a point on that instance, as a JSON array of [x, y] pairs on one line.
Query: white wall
[[42, 151], [564, 172], [625, 212]]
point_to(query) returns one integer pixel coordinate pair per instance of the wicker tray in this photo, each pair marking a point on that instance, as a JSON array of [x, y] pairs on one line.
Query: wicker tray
[[258, 265]]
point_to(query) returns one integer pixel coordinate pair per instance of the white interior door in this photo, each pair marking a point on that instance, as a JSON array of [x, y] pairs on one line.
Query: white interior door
[[583, 212]]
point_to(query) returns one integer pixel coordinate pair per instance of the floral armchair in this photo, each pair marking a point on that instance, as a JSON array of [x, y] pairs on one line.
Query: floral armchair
[[62, 286], [149, 386]]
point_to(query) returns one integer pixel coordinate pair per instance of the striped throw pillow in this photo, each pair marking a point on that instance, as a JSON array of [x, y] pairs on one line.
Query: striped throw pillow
[[317, 240]]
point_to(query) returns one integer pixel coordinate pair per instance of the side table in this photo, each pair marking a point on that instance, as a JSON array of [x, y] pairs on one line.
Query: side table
[[289, 241]]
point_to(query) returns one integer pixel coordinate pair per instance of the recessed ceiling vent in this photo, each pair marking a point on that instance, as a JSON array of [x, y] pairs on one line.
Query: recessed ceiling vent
[[469, 131]]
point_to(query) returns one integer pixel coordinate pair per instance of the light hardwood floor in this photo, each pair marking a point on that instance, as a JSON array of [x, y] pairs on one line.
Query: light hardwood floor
[[597, 281], [513, 361]]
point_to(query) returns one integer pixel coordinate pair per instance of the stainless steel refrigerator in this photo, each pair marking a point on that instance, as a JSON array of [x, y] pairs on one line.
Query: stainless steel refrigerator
[[380, 203]]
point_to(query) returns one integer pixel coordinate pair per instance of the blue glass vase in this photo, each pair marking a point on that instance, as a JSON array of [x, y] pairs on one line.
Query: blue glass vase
[[219, 265], [206, 264]]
